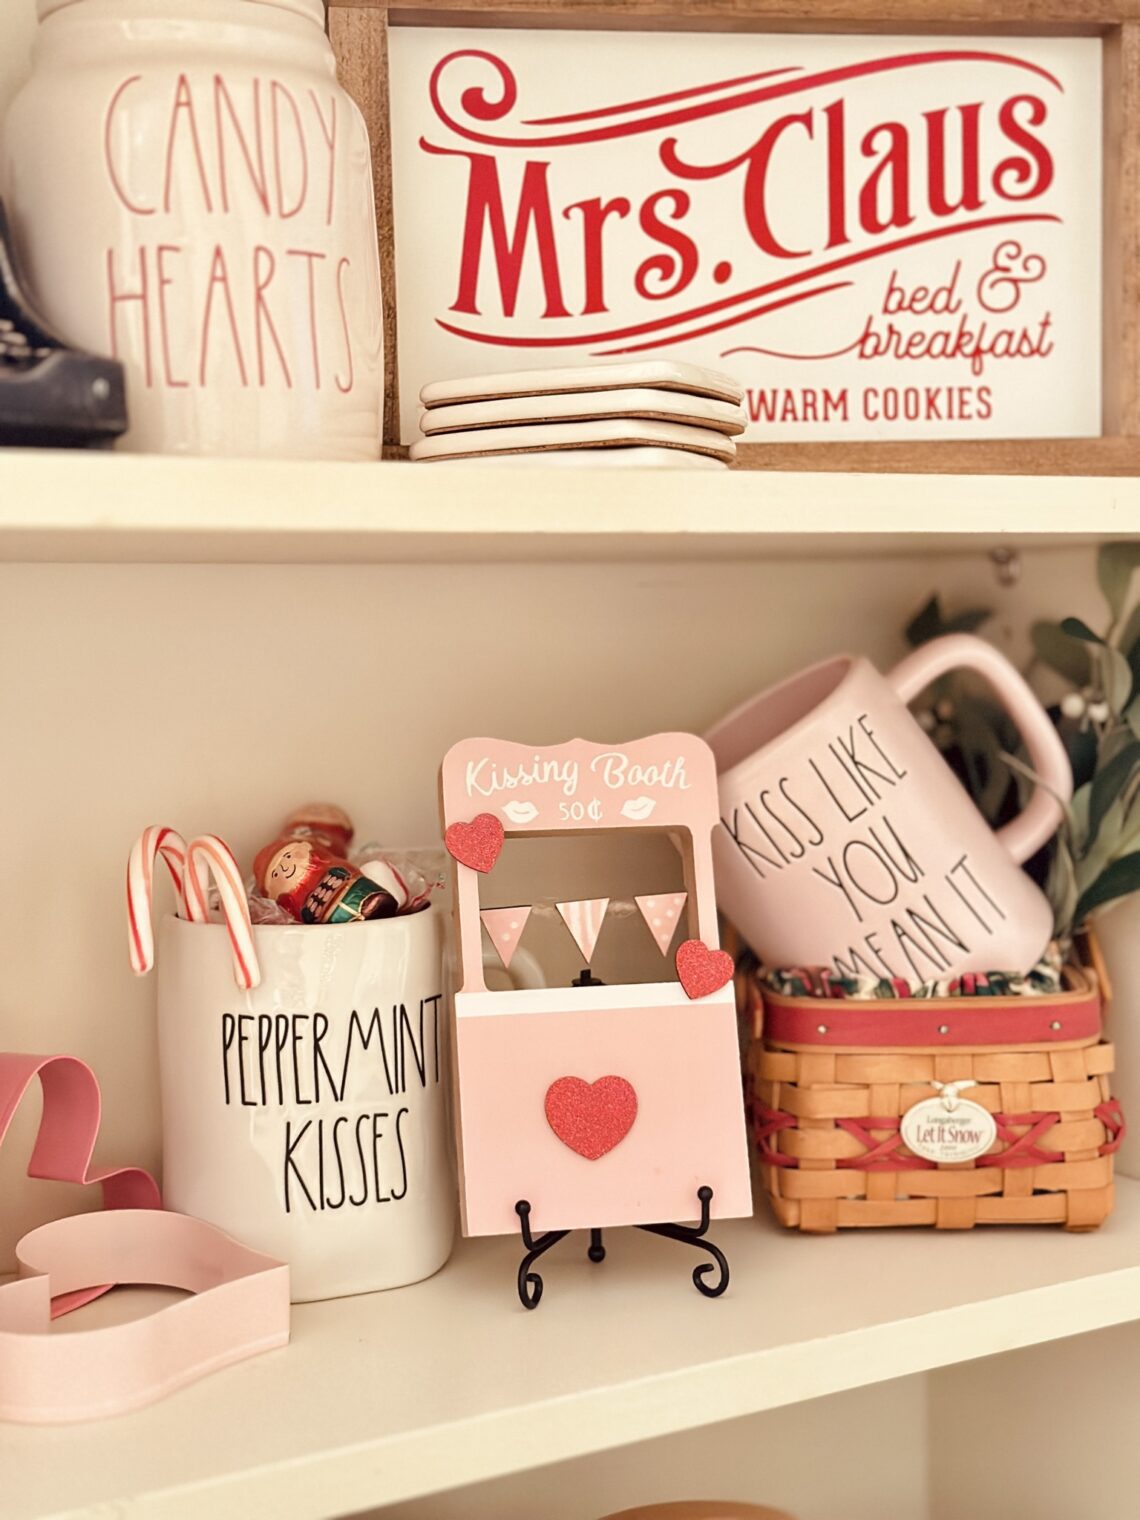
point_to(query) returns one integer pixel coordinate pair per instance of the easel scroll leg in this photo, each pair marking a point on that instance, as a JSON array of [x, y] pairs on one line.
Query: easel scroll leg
[[530, 1283], [690, 1236]]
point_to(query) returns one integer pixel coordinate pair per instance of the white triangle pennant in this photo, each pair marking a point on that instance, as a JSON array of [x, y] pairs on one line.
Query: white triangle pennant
[[662, 915], [504, 928], [584, 920]]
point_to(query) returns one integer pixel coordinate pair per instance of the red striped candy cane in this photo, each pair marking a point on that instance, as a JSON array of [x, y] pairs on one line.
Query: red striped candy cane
[[209, 856], [152, 842]]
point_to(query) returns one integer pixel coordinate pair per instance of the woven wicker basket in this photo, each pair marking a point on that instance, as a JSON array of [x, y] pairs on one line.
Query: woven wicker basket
[[829, 1082]]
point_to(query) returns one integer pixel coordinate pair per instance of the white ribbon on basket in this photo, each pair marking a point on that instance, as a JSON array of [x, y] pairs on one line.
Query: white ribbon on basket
[[952, 1091]]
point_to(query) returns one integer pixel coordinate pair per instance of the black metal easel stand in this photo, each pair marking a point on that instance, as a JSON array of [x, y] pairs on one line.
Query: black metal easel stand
[[530, 1283]]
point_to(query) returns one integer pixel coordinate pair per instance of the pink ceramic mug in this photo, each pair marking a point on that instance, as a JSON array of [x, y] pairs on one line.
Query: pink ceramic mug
[[847, 842]]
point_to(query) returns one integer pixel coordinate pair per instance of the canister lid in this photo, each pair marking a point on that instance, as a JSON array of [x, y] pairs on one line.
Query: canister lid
[[313, 10]]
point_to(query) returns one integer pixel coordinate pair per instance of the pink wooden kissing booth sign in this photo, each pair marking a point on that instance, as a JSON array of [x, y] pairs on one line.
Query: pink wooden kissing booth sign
[[600, 1105]]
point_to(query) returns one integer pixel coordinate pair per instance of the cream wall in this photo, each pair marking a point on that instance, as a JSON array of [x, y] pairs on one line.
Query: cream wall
[[216, 697]]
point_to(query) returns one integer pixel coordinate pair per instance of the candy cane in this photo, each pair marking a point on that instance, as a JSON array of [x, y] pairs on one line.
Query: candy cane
[[209, 856], [152, 842]]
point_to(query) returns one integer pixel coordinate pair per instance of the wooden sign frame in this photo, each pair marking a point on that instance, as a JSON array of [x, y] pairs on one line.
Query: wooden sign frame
[[358, 30]]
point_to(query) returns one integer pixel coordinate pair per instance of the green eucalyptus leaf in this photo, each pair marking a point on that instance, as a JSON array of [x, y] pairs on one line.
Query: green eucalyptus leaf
[[1128, 832], [1064, 654], [1112, 743], [1061, 888], [1108, 785], [1116, 674], [1078, 815], [1128, 638], [1081, 748], [1121, 878], [1077, 628], [926, 624], [1119, 836], [1020, 767], [930, 623], [1114, 566], [1101, 851], [1128, 642]]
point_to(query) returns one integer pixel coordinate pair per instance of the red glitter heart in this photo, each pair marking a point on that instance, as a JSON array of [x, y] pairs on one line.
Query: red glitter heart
[[703, 970], [475, 844], [591, 1117]]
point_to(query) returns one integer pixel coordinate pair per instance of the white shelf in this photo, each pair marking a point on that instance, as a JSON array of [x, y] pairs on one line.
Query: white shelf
[[383, 1398], [78, 506]]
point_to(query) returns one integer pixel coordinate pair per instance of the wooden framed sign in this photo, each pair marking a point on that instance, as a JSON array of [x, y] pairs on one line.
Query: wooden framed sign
[[913, 244]]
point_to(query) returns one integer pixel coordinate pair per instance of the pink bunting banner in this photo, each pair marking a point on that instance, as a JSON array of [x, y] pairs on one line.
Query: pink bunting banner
[[584, 920], [504, 928], [662, 915]]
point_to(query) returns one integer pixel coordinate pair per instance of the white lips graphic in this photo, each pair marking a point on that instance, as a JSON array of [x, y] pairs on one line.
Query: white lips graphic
[[521, 812], [638, 808]]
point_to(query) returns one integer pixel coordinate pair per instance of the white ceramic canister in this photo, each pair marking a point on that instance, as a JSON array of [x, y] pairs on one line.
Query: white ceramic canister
[[310, 1117], [191, 191]]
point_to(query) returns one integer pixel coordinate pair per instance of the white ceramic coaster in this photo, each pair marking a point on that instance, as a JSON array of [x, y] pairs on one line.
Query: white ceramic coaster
[[581, 406], [654, 374], [635, 457], [600, 434]]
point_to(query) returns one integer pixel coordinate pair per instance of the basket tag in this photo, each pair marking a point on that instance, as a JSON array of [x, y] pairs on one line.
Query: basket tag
[[948, 1127]]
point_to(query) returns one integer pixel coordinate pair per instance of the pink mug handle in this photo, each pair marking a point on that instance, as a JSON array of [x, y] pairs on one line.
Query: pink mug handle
[[1026, 833]]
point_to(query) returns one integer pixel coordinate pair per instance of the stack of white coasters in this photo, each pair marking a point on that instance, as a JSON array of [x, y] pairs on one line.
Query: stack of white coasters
[[654, 413]]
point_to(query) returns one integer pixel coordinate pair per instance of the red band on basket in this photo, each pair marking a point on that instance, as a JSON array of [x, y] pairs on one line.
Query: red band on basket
[[1040, 1020], [887, 1154]]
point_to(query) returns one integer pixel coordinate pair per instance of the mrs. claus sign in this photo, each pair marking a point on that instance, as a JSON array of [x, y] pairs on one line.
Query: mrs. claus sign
[[881, 237]]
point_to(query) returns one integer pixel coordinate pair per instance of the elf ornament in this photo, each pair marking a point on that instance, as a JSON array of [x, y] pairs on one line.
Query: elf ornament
[[315, 886]]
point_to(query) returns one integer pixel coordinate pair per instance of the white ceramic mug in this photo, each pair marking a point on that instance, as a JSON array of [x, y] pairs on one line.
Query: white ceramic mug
[[309, 1117], [524, 969], [847, 842]]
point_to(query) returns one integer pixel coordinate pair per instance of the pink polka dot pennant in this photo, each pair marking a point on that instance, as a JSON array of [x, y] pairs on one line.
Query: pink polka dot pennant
[[662, 914], [504, 928]]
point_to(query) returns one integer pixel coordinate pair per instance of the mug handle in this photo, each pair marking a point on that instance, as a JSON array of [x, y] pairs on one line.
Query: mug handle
[[1026, 833], [524, 971]]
